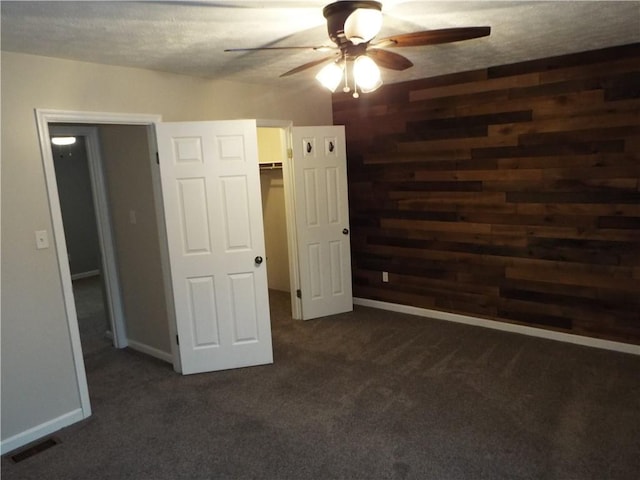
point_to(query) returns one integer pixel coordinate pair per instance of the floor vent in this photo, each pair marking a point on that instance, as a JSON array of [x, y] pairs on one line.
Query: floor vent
[[35, 449]]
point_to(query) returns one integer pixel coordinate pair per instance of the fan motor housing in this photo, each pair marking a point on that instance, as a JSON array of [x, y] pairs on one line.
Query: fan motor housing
[[337, 13]]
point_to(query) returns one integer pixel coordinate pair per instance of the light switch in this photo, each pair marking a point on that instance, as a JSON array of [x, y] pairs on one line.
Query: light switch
[[42, 239], [132, 217]]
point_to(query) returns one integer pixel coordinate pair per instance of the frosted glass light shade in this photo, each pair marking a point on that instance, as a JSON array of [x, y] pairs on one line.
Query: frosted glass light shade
[[366, 74], [362, 25], [330, 76], [63, 140]]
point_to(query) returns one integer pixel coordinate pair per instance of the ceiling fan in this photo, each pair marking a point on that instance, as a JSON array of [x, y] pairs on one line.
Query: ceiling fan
[[352, 26]]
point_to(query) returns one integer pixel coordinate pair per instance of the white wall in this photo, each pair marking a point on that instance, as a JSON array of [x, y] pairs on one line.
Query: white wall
[[127, 166], [38, 379], [275, 229]]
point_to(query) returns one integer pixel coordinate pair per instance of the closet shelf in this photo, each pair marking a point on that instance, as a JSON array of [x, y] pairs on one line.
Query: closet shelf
[[270, 165]]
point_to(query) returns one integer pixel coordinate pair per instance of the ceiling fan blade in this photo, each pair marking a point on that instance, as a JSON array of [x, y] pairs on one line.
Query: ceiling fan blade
[[389, 60], [321, 48], [433, 37], [308, 65]]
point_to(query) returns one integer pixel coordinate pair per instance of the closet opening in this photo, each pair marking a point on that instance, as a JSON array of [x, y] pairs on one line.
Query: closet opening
[[271, 157]]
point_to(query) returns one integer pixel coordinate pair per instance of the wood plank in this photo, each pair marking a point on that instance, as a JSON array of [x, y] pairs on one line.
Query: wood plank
[[457, 144], [566, 103], [482, 239], [421, 205], [582, 104], [620, 222], [562, 185], [610, 234], [450, 198], [620, 134], [569, 148], [454, 120], [419, 157], [571, 161], [584, 197], [592, 297], [444, 285], [471, 175], [563, 277], [428, 186], [499, 84], [435, 226], [456, 101], [581, 222], [611, 67], [581, 59], [590, 209], [587, 174], [608, 120]]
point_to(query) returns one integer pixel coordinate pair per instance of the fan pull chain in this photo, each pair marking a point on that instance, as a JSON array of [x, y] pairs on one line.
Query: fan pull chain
[[355, 88], [346, 88]]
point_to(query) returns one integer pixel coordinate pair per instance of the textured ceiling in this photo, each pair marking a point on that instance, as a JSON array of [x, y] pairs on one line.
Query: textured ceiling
[[189, 37]]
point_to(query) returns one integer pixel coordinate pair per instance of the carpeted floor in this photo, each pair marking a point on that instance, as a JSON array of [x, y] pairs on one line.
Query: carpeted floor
[[92, 315], [365, 395]]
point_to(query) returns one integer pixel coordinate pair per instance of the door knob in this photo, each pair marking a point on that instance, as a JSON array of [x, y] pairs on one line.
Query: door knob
[[345, 231], [258, 260]]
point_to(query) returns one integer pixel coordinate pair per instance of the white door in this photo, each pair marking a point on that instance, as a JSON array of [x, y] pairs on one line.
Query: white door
[[211, 195], [322, 220]]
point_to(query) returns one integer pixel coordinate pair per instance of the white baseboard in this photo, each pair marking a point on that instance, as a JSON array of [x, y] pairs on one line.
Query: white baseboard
[[39, 431], [507, 327], [90, 273], [154, 352], [144, 348]]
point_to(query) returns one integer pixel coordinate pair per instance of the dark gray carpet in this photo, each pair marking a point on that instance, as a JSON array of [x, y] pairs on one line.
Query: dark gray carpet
[[365, 395], [92, 316]]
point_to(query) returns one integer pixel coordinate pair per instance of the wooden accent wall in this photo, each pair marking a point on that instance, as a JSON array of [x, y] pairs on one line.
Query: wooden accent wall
[[510, 193]]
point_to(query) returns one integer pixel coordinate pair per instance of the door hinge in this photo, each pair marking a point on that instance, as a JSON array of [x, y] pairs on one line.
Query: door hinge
[[299, 293], [289, 153], [157, 158], [177, 340]]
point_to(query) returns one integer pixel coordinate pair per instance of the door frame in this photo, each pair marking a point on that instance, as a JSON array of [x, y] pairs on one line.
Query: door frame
[[45, 117]]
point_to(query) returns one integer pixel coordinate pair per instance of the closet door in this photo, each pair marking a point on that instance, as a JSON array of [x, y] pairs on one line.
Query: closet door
[[322, 220]]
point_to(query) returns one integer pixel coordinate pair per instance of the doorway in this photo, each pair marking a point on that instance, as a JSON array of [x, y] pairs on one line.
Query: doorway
[[79, 121], [113, 178], [272, 158], [71, 162]]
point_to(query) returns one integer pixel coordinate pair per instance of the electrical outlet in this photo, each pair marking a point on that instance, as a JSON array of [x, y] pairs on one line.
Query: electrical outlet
[[385, 277]]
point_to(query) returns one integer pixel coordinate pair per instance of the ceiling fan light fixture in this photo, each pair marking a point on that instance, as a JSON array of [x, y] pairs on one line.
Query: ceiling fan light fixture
[[362, 25], [330, 76], [366, 74]]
